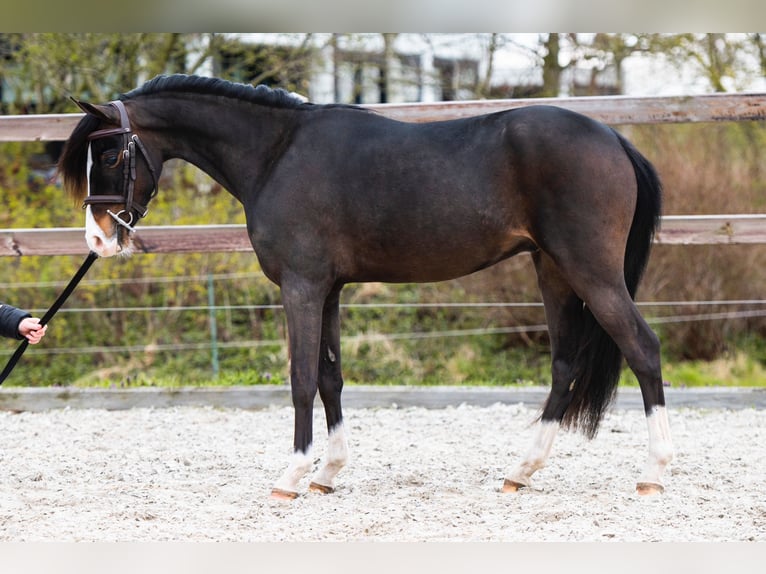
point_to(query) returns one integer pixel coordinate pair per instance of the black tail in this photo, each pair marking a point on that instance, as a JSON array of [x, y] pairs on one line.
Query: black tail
[[599, 360]]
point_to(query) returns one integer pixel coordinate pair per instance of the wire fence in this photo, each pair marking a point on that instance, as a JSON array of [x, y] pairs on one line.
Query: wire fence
[[374, 337], [753, 308], [729, 229]]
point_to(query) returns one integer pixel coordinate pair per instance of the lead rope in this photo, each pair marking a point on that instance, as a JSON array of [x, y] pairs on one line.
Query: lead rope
[[92, 256]]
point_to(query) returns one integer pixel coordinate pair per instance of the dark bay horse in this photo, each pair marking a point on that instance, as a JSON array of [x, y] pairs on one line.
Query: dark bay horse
[[335, 194]]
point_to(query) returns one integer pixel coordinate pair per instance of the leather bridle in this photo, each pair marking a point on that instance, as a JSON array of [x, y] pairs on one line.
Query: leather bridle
[[130, 142]]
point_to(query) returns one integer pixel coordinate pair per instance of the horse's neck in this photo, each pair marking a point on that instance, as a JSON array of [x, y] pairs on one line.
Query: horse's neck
[[216, 138]]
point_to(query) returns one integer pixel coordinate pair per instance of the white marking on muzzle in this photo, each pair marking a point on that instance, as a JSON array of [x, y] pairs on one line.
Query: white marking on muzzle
[[95, 237]]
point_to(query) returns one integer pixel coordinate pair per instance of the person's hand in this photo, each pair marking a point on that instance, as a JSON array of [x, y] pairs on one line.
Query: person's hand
[[31, 329]]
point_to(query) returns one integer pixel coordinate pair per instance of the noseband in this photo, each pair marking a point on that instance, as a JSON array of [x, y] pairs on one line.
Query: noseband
[[130, 142]]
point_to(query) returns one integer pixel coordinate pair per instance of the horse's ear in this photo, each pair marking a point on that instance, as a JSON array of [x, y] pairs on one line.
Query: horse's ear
[[106, 113]]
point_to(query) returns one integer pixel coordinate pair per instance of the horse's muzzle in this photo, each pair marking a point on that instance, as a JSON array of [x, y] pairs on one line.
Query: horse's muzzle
[[106, 236]]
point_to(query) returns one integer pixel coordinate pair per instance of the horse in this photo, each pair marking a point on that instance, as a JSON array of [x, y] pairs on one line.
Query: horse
[[336, 194]]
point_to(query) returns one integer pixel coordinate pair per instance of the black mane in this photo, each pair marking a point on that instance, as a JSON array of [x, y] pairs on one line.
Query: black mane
[[72, 162], [275, 97]]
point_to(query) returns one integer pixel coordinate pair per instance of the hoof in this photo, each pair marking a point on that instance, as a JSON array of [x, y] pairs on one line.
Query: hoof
[[280, 494], [321, 488], [512, 486], [649, 488]]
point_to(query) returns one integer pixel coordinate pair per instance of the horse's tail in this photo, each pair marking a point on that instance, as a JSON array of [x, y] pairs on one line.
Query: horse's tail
[[599, 360]]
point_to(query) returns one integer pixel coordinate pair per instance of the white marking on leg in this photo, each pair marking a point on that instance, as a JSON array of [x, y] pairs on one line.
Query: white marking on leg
[[300, 464], [538, 453], [337, 457], [660, 445]]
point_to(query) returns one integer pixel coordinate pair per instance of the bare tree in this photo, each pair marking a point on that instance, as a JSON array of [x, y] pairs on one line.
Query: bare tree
[[485, 84], [760, 46], [552, 68], [719, 58]]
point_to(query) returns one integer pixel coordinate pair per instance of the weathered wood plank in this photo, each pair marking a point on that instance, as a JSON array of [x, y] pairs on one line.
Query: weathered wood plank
[[159, 239], [43, 127], [712, 229], [676, 230], [613, 110]]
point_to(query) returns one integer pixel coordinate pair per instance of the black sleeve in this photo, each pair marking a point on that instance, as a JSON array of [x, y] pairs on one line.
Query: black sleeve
[[10, 317]]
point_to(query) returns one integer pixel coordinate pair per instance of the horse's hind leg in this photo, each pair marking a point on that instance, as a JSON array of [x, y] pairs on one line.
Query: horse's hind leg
[[616, 312], [563, 311], [641, 349], [330, 387]]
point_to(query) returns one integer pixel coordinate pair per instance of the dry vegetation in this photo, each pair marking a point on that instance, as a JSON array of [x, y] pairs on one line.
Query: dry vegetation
[[706, 169]]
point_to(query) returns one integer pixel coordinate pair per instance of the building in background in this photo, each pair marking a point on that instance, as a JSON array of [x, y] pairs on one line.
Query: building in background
[[381, 68], [407, 67], [367, 68]]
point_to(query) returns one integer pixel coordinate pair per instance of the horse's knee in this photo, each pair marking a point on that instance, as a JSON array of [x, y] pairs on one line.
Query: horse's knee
[[303, 396], [330, 386]]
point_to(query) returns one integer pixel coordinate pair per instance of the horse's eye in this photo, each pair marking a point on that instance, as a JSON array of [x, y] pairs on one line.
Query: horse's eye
[[110, 158]]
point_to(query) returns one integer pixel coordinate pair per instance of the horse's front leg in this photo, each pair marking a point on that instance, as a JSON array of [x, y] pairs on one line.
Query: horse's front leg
[[330, 387], [303, 307]]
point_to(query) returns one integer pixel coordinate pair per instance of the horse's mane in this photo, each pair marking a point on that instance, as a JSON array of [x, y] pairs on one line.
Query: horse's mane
[[274, 97], [72, 162]]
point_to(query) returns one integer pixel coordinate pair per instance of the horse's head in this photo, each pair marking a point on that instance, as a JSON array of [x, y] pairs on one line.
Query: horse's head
[[106, 163]]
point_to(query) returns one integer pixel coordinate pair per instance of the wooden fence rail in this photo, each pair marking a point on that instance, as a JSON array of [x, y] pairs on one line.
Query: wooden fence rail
[[613, 110], [676, 230]]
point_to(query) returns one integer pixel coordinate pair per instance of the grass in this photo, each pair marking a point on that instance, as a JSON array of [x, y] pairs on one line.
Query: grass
[[738, 370], [743, 365]]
